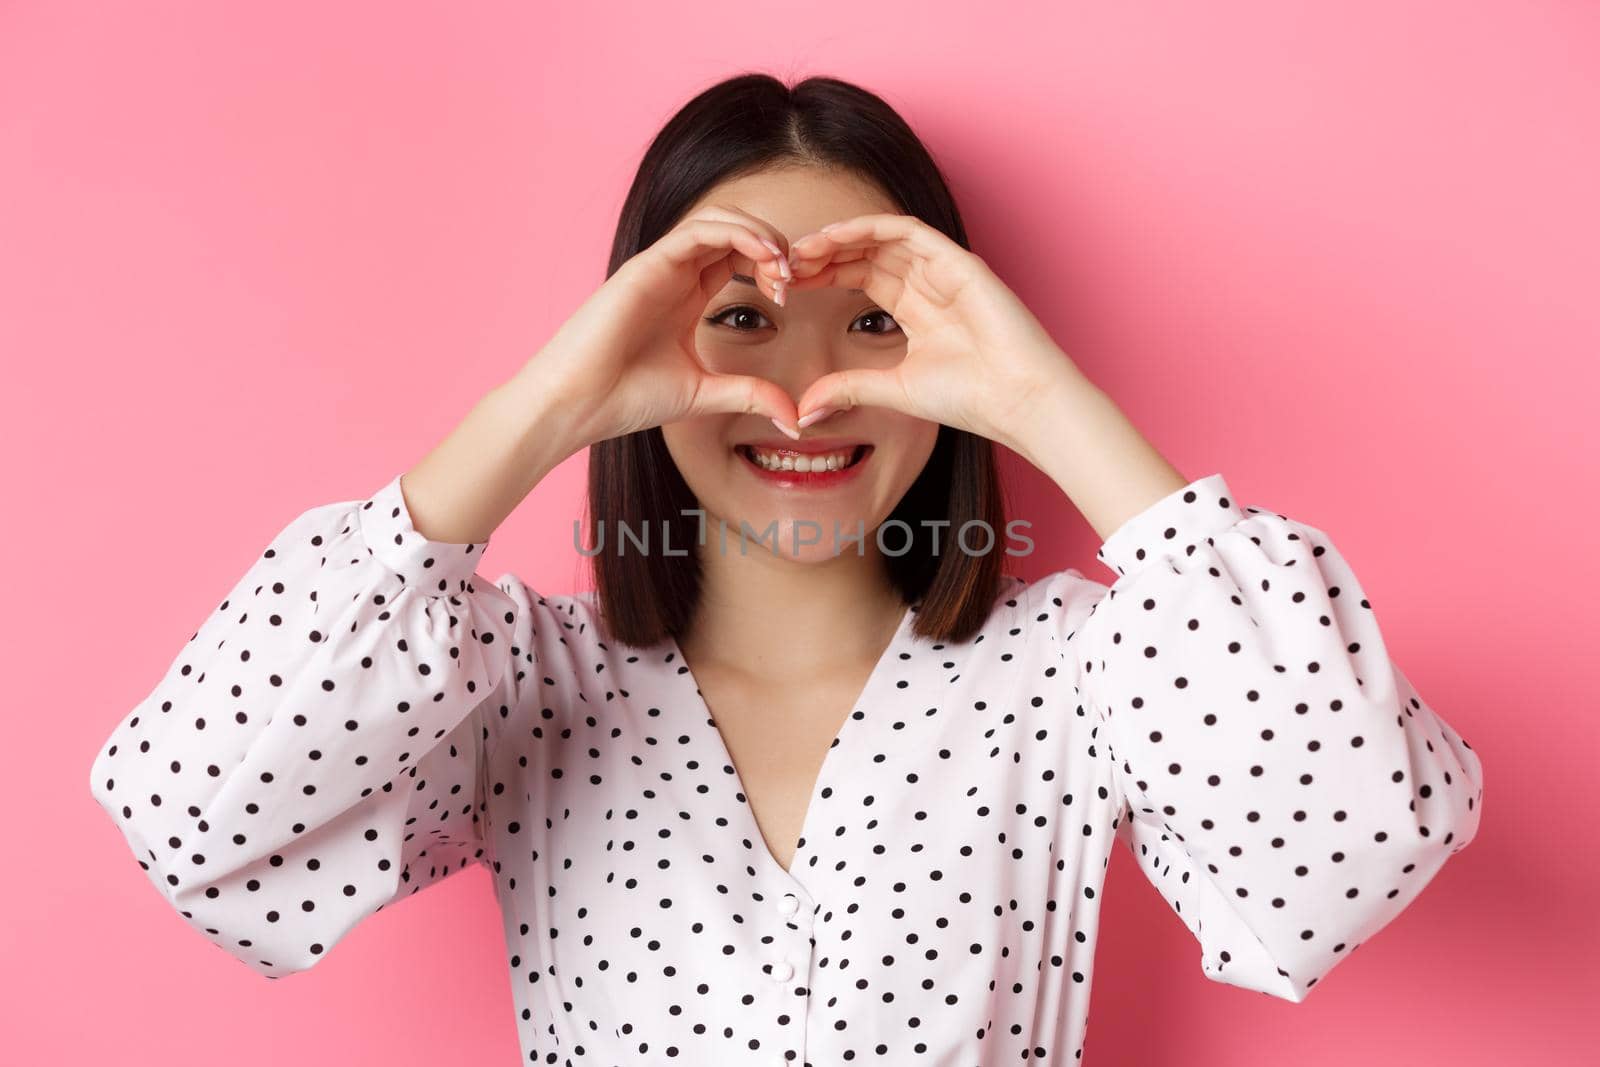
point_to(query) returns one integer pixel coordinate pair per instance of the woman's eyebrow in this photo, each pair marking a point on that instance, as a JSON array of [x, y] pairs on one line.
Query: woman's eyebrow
[[746, 279]]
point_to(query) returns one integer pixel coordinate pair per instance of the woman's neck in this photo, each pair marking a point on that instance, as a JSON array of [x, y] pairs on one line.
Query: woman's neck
[[779, 619]]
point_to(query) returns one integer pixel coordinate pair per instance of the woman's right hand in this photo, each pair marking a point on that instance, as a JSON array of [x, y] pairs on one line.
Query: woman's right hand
[[626, 359]]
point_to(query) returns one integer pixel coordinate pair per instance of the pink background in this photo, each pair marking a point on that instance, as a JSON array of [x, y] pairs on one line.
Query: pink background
[[1347, 254]]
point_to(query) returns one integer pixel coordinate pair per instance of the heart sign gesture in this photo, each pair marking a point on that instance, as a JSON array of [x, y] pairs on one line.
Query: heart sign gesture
[[975, 355]]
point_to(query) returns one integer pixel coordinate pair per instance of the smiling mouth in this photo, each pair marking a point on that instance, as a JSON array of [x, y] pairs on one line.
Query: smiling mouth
[[792, 468], [787, 459]]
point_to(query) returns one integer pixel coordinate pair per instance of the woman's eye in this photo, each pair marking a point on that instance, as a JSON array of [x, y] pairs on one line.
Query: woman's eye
[[879, 317], [744, 314], [747, 319]]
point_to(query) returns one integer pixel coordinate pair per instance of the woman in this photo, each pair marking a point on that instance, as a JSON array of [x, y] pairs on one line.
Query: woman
[[812, 792]]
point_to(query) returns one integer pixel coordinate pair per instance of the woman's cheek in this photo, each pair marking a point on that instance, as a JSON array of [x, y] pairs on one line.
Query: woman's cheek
[[720, 355]]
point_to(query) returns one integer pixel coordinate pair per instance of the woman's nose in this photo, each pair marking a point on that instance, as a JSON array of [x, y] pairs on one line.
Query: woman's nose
[[803, 361]]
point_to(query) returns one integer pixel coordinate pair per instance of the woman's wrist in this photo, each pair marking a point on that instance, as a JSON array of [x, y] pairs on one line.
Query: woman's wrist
[[513, 437], [1086, 444], [1040, 428], [545, 419]]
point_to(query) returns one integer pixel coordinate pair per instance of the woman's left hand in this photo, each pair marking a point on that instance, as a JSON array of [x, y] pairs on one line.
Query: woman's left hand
[[976, 358]]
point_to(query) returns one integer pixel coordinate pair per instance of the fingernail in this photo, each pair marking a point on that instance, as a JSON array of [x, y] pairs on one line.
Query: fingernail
[[778, 296], [783, 265], [829, 226], [786, 430], [814, 416], [774, 249]]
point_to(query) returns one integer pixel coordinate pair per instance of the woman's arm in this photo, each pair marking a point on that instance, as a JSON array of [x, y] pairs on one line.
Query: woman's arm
[[1081, 439], [1285, 787], [520, 431], [315, 750]]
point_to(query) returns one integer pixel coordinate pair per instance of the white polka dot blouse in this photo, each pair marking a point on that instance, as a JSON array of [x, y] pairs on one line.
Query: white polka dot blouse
[[364, 715]]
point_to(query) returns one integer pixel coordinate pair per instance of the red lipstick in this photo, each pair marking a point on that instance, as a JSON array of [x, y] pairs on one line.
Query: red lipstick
[[775, 461]]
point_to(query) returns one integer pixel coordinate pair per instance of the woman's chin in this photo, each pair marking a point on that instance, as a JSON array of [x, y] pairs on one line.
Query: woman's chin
[[813, 554], [797, 538]]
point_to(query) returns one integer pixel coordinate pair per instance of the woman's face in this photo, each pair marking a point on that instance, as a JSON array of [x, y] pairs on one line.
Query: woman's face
[[862, 461]]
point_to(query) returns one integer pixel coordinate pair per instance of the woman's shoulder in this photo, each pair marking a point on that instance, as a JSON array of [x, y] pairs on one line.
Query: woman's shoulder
[[1058, 588], [569, 629], [1051, 604], [574, 603], [1022, 609], [556, 636], [565, 659]]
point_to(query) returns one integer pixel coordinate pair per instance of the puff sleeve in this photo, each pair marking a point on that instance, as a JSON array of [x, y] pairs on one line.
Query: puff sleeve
[[1288, 791], [316, 749]]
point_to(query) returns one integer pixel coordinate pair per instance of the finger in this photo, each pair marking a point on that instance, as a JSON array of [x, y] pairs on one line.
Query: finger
[[699, 242], [885, 287], [848, 266], [892, 258], [845, 389], [770, 236], [717, 273], [907, 231], [743, 394], [806, 261], [718, 265]]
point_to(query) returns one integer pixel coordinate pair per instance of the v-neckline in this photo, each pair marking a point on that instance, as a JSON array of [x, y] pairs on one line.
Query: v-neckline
[[748, 813]]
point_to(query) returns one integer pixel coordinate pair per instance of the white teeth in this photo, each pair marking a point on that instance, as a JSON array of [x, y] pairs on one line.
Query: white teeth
[[804, 464]]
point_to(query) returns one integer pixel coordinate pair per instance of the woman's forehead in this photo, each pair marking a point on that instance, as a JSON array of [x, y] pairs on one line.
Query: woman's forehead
[[797, 200]]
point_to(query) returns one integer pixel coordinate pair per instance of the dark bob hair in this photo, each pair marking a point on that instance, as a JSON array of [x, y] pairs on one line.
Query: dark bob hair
[[744, 124]]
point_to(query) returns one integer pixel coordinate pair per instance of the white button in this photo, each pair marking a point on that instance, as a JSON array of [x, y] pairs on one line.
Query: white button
[[788, 904], [782, 971]]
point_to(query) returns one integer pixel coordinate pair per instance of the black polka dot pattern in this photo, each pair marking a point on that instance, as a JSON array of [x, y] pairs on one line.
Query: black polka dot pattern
[[312, 754], [1289, 792], [364, 715]]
